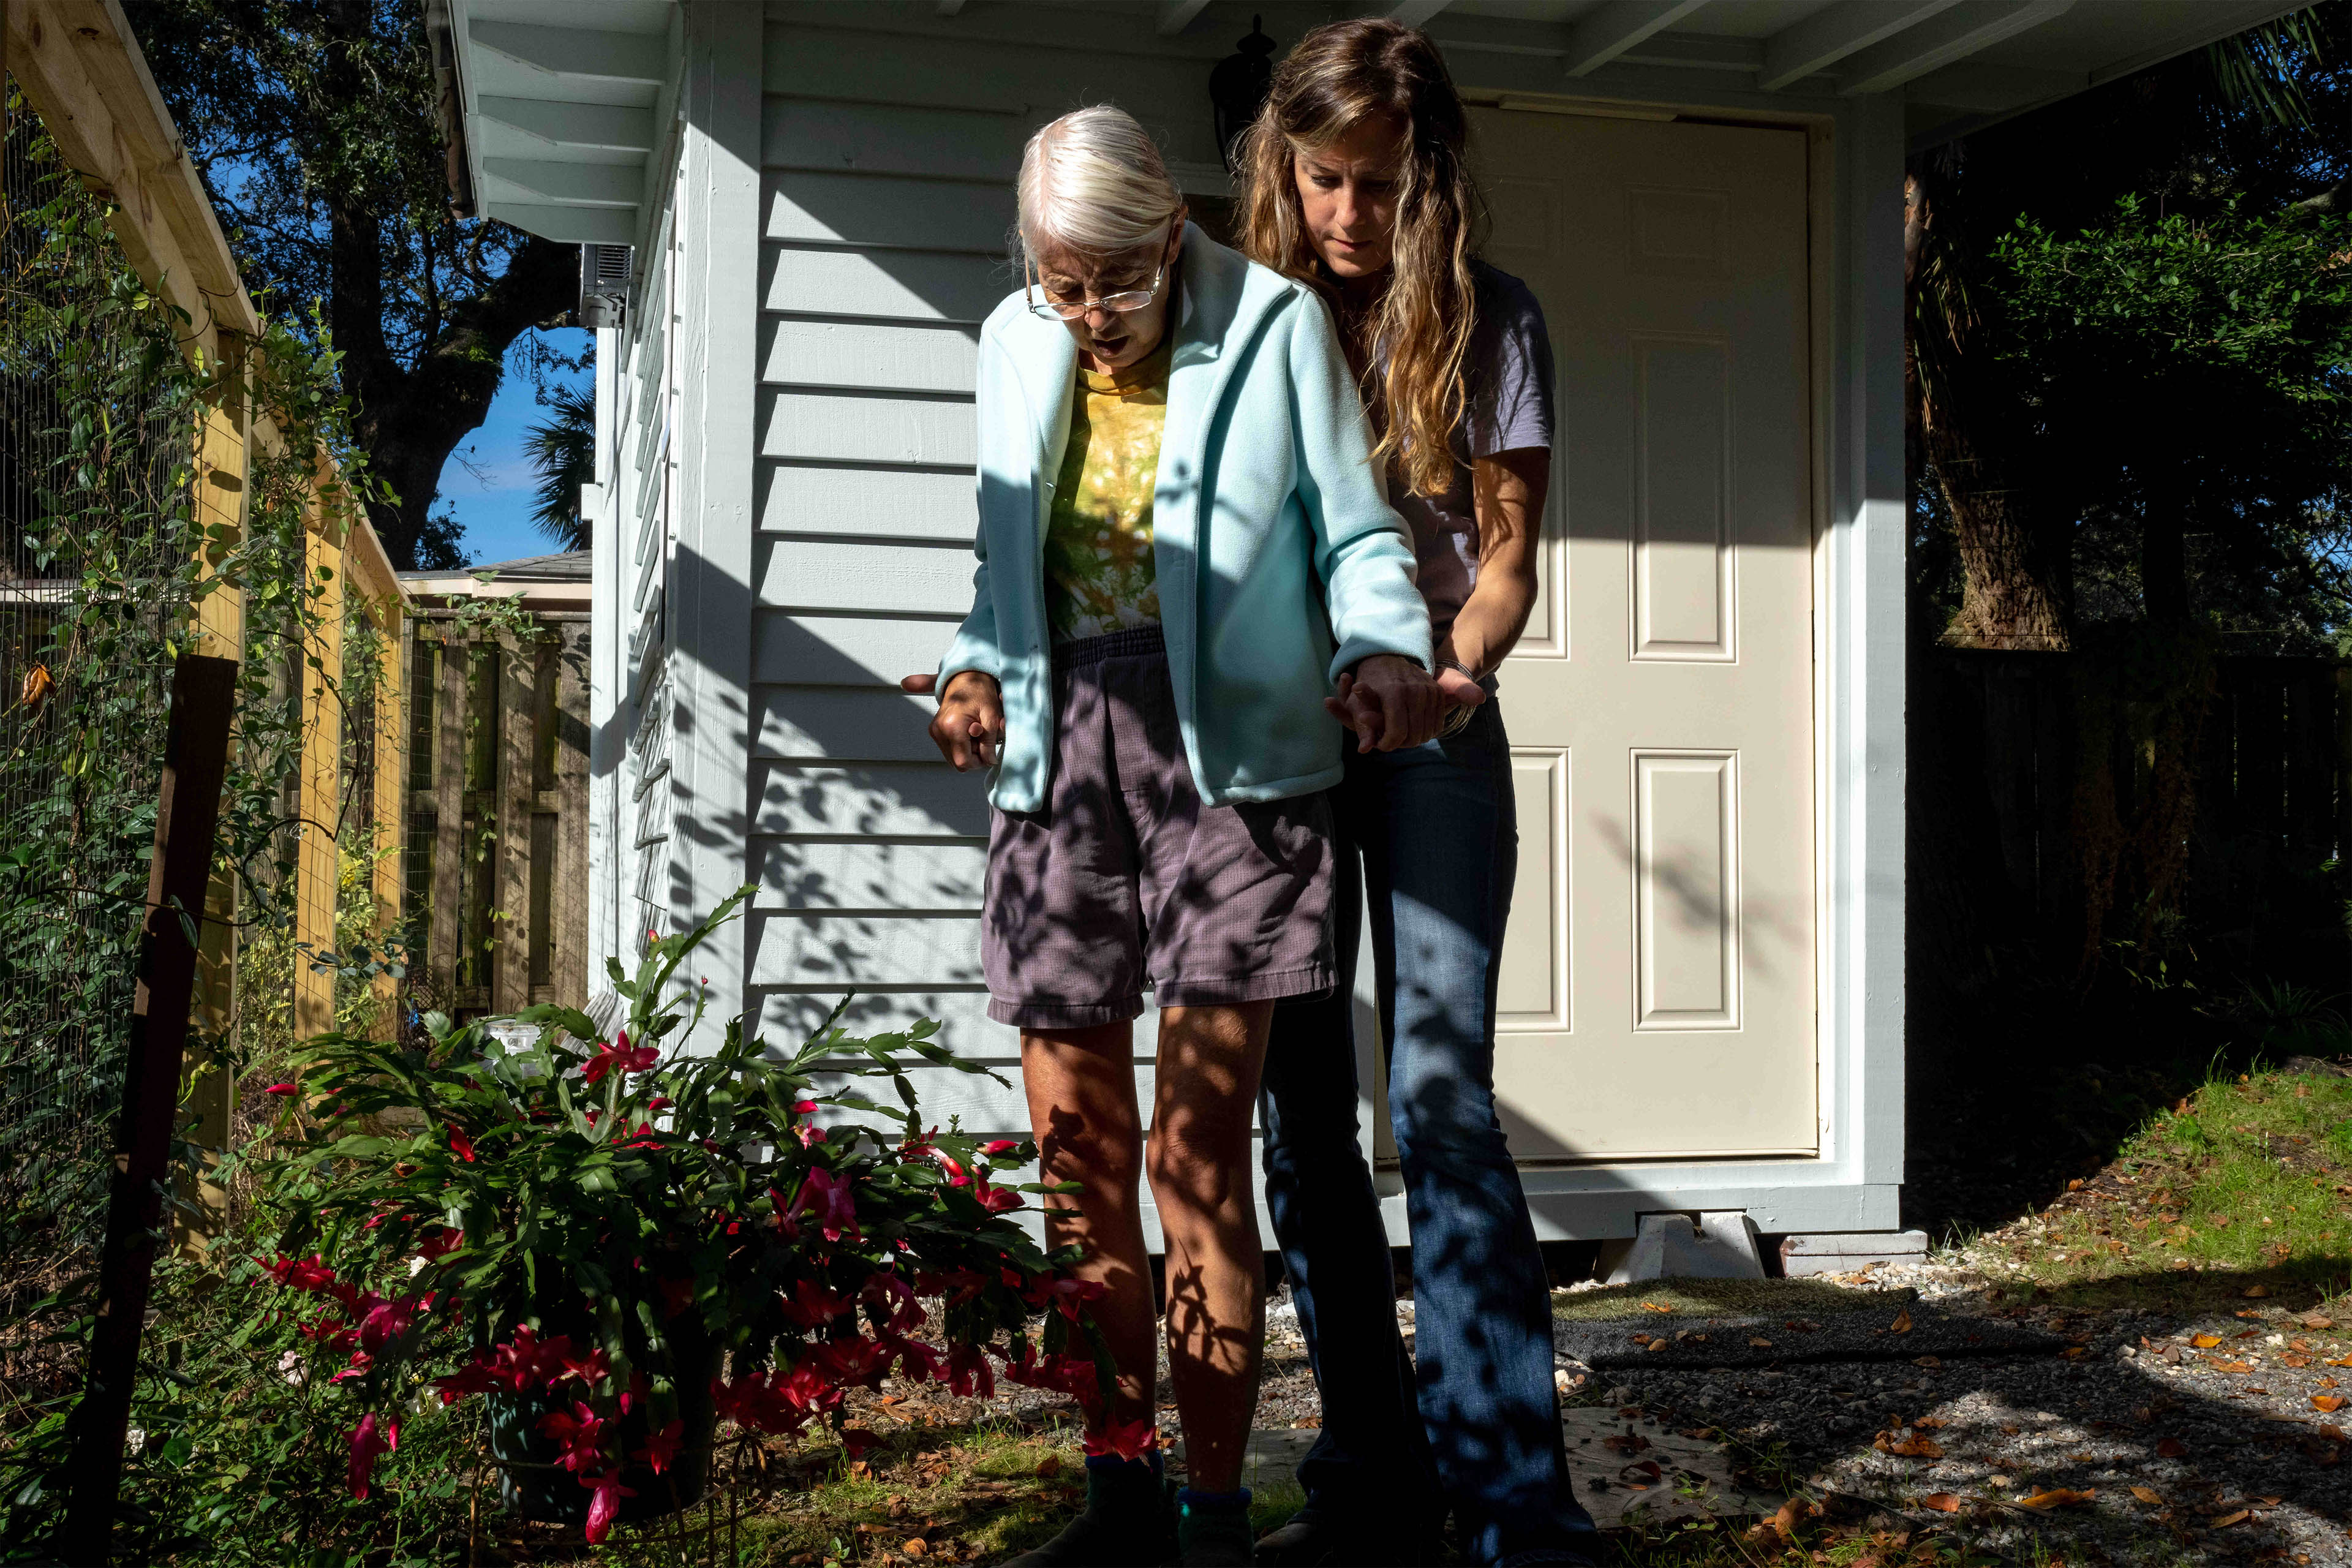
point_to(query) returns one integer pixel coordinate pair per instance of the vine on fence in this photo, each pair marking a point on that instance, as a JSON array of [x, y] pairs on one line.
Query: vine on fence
[[106, 567]]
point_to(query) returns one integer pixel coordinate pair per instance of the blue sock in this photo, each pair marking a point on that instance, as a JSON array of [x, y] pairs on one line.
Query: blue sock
[[1191, 1501]]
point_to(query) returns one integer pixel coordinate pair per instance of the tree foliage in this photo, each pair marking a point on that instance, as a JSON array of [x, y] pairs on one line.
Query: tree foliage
[[2126, 356], [312, 124]]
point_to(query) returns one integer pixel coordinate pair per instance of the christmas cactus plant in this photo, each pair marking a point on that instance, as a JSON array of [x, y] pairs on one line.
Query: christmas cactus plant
[[619, 1244]]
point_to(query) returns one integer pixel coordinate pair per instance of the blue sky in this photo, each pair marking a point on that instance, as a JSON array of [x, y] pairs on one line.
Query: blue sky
[[488, 482]]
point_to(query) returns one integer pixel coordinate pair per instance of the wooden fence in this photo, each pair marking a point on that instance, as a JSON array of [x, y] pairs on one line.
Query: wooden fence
[[2047, 805], [80, 69], [497, 818]]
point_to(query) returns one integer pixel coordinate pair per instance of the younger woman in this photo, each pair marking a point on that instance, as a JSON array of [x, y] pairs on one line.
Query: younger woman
[[1173, 470], [1358, 185]]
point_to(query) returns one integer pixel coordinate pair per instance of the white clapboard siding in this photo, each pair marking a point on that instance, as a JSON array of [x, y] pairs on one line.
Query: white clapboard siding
[[789, 648], [823, 876], [887, 139], [836, 574], [868, 502], [857, 950], [850, 725], [895, 800], [815, 426], [893, 285], [810, 206], [870, 356]]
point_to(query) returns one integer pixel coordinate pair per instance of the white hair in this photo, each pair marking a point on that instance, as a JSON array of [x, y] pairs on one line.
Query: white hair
[[1093, 181]]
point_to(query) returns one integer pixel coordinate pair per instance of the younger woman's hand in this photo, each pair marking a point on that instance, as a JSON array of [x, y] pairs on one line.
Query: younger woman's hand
[[1389, 701], [969, 727]]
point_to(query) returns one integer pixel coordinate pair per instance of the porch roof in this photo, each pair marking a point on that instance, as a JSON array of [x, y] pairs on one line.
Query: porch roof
[[568, 105]]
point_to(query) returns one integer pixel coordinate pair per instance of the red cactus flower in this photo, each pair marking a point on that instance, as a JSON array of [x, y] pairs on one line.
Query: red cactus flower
[[476, 1376], [618, 1056], [307, 1274], [1128, 1440], [660, 1451], [811, 1306], [582, 1433], [369, 1443], [996, 1200], [284, 1090], [605, 1493], [386, 1321], [969, 1373], [917, 1362], [998, 1146], [460, 1144], [592, 1370], [439, 1241]]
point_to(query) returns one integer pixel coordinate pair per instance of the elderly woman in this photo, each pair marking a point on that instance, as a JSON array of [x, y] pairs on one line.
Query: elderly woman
[[1183, 546]]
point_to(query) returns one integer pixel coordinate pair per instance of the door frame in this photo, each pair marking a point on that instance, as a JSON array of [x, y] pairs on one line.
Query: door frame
[[1855, 274]]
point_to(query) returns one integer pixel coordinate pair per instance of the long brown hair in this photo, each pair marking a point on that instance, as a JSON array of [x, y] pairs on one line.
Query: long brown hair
[[1336, 77]]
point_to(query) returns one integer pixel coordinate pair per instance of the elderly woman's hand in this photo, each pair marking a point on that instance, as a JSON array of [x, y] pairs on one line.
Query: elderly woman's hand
[[1389, 702], [969, 727]]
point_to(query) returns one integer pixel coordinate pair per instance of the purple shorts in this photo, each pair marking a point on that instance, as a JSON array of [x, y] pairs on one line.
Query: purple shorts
[[1126, 882]]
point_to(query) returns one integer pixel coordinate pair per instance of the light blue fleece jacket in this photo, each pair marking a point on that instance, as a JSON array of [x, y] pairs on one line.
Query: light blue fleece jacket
[[1278, 560]]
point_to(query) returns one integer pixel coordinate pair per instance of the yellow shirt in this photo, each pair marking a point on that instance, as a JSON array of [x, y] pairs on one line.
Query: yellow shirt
[[1099, 570]]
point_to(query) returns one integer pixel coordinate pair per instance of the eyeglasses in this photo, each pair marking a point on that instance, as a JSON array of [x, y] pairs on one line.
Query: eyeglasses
[[1071, 309]]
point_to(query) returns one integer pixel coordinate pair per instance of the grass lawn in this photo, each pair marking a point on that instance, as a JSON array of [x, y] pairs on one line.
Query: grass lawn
[[2238, 1189]]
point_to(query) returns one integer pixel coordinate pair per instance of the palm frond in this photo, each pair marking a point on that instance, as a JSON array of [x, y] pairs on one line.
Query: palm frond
[[2261, 68], [564, 452]]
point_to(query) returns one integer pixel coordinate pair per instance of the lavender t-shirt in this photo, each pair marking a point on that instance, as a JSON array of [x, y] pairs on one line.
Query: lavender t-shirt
[[1508, 407]]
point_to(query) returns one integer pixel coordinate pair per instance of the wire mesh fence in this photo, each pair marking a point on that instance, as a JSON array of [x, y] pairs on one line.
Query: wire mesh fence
[[94, 589]]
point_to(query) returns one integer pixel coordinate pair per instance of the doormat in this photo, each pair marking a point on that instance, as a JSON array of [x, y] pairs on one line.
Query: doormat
[[1758, 1322]]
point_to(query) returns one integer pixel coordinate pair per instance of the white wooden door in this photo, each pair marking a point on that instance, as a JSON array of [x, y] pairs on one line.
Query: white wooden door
[[1658, 989]]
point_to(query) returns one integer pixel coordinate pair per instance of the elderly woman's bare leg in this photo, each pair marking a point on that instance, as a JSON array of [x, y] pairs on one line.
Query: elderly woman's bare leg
[[1081, 1089], [1210, 1059]]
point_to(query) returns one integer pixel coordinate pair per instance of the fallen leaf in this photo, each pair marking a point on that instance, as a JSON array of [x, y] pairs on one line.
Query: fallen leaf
[[2298, 1361], [2060, 1497], [1902, 1323], [2150, 1496], [1931, 1424], [1626, 1443], [2332, 1433], [2205, 1341], [1657, 1306], [2256, 1292], [1931, 1362], [1942, 1503], [2232, 1366], [2171, 1449], [1049, 1466], [2076, 1353], [2316, 1321], [916, 1547], [1913, 1447], [2227, 1519], [2075, 1185], [2328, 1402], [2326, 1383], [1759, 1343], [1790, 1514]]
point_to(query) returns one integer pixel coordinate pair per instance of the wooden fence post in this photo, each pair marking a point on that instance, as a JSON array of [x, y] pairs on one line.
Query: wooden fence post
[[195, 761]]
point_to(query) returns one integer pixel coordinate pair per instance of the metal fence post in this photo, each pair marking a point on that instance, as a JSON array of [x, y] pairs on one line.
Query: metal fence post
[[196, 762]]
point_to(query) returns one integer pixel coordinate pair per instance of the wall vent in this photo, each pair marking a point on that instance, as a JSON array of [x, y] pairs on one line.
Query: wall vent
[[606, 274]]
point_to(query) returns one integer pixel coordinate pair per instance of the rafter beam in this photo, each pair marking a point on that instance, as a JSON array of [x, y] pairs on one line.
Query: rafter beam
[[1175, 16], [1618, 27], [596, 125], [1414, 13], [1822, 39], [587, 52], [1948, 36]]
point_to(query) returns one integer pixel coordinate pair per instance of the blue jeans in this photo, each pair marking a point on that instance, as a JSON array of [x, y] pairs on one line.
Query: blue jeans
[[1438, 836]]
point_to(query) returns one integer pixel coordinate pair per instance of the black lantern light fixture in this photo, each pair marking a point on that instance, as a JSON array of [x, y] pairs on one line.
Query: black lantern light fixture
[[1238, 86]]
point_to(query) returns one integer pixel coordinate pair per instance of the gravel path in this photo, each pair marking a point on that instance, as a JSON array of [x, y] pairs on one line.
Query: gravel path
[[2187, 1451]]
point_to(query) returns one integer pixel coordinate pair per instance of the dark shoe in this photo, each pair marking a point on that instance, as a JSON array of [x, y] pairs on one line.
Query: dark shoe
[[1319, 1541], [1126, 1524], [1214, 1534]]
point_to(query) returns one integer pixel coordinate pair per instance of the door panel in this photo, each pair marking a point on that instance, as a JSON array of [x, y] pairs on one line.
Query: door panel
[[1658, 991]]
